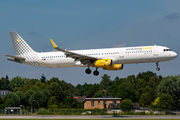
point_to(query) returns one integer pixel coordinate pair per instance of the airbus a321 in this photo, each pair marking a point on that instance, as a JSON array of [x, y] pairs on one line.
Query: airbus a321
[[107, 58]]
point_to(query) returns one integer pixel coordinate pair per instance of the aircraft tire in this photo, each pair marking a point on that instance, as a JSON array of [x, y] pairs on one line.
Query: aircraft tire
[[158, 69], [96, 73], [88, 71]]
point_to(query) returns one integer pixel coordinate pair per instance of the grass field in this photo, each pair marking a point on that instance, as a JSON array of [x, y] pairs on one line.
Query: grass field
[[90, 119]]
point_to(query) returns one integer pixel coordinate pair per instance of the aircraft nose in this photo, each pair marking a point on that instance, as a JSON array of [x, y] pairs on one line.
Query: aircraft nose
[[174, 54]]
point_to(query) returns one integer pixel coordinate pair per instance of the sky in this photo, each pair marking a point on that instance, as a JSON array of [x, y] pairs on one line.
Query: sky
[[89, 24]]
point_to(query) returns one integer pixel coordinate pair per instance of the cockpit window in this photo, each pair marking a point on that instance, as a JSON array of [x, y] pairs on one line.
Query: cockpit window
[[167, 50]]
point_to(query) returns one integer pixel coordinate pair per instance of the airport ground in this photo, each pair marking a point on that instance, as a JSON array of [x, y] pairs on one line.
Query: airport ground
[[85, 117]]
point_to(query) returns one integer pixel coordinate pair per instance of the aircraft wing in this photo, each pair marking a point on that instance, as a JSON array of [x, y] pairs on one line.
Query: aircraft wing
[[16, 57], [77, 57]]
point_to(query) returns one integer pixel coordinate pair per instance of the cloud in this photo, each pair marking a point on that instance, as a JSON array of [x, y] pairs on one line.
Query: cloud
[[172, 16], [32, 33], [120, 45]]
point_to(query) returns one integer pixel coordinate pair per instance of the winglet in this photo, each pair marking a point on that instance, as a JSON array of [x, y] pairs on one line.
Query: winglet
[[54, 45]]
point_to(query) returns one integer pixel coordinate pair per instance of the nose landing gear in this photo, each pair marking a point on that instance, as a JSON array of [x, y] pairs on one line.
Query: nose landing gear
[[157, 68]]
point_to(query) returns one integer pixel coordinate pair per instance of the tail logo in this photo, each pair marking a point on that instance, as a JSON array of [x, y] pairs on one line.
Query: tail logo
[[18, 40]]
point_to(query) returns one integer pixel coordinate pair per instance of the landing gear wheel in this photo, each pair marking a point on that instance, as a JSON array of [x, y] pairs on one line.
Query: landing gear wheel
[[157, 64], [88, 71], [157, 68], [96, 73]]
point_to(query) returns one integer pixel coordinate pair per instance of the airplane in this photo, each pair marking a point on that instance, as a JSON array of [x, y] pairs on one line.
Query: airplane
[[107, 58]]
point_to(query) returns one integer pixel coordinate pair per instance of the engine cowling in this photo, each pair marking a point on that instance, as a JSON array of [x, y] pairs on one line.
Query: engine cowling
[[103, 63], [114, 67]]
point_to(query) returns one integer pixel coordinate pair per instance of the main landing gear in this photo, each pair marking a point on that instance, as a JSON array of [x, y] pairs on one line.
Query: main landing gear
[[96, 73], [88, 71], [157, 68]]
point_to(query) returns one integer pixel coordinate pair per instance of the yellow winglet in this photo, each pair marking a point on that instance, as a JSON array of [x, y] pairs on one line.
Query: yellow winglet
[[54, 45]]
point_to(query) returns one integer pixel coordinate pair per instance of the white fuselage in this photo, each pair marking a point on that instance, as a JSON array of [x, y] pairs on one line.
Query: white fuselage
[[108, 59], [126, 55]]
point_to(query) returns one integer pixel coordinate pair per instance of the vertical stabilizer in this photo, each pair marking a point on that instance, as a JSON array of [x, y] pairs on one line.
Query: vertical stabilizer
[[20, 46]]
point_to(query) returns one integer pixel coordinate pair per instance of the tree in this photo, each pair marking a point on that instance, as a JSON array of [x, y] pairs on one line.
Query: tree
[[1, 103], [153, 84], [114, 88], [18, 82], [146, 75], [89, 92], [155, 103], [104, 82], [11, 100], [126, 104], [61, 105], [126, 90], [58, 88], [71, 90], [28, 85], [47, 95], [170, 85], [52, 80], [7, 83], [2, 84], [28, 94], [145, 100], [37, 96], [82, 89], [70, 102], [21, 97], [146, 88], [52, 101], [43, 79], [38, 86], [99, 94], [54, 107], [166, 102], [80, 105]]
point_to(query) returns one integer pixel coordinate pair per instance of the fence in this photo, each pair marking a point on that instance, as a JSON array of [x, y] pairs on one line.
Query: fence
[[89, 112], [73, 111]]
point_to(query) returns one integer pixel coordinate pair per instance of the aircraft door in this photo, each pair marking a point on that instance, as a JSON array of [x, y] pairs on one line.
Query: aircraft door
[[121, 54], [155, 52]]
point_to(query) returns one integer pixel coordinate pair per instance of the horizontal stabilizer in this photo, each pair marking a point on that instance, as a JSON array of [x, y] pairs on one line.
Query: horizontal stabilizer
[[19, 58]]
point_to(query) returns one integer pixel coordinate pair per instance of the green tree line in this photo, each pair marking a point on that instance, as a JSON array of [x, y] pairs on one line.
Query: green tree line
[[148, 89]]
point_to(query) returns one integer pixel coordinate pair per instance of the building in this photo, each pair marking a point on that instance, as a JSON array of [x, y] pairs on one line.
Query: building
[[13, 110], [113, 106], [136, 106], [79, 98], [100, 103], [3, 93]]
